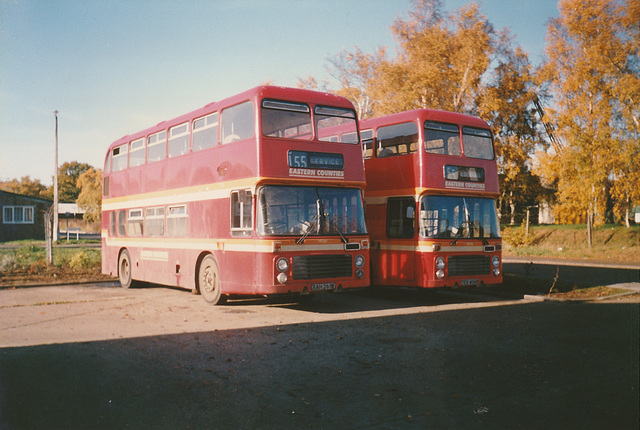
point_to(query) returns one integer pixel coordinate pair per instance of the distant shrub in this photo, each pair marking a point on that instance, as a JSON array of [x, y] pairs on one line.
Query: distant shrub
[[517, 236], [83, 260], [7, 262]]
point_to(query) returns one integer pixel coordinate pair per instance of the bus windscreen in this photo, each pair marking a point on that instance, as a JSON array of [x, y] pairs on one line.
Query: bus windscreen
[[310, 211]]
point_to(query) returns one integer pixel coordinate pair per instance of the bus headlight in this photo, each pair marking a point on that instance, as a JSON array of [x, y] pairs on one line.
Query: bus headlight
[[359, 273], [440, 264], [495, 261], [282, 264], [282, 278], [359, 261], [440, 274], [496, 271]]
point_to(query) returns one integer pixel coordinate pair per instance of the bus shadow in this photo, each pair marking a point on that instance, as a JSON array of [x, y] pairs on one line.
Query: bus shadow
[[372, 298], [383, 298], [434, 366]]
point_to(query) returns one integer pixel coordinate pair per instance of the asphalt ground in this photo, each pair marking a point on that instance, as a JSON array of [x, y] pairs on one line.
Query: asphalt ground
[[96, 356]]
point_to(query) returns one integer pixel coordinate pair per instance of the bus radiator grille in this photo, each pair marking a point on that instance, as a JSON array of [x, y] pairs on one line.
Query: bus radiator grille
[[469, 265], [321, 266]]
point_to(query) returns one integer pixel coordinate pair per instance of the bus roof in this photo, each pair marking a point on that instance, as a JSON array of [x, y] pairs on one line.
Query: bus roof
[[256, 93], [424, 114]]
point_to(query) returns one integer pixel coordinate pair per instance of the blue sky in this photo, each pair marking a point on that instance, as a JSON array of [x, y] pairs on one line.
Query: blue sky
[[112, 67]]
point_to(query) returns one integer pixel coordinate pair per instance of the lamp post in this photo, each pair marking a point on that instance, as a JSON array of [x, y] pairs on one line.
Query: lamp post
[[55, 186]]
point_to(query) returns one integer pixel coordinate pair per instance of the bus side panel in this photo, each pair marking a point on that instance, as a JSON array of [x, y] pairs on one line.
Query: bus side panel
[[175, 267], [425, 269], [392, 260], [398, 261], [209, 222], [375, 226], [109, 259], [238, 271]]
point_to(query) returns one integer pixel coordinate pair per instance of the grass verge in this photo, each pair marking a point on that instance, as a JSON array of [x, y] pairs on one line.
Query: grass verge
[[26, 264], [614, 244]]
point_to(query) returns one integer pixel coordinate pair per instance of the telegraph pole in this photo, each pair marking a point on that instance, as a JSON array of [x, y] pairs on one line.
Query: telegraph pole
[[55, 186]]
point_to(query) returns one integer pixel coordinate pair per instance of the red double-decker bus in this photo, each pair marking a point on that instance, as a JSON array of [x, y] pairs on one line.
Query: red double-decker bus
[[257, 194], [430, 200]]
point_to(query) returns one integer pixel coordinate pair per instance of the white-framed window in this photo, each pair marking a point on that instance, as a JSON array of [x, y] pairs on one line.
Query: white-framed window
[[205, 132], [179, 140], [134, 222], [156, 147], [136, 153], [18, 214], [120, 157], [177, 221], [154, 221], [241, 213]]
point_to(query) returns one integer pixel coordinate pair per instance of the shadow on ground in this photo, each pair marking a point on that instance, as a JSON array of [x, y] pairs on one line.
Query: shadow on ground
[[536, 365]]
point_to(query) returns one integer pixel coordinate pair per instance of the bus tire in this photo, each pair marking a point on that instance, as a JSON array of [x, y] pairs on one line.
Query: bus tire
[[209, 280], [124, 269]]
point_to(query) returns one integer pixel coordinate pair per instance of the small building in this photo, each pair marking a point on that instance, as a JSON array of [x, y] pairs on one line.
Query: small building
[[22, 217], [71, 218]]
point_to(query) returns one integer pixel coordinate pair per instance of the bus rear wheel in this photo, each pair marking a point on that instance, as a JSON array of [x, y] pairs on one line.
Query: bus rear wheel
[[209, 281], [124, 269]]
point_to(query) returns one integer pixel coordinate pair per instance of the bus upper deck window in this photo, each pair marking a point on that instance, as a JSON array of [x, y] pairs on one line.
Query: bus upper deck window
[[205, 132], [286, 119], [397, 139], [238, 122], [179, 140], [441, 138], [120, 156], [136, 153], [477, 143], [332, 122], [367, 143], [156, 146]]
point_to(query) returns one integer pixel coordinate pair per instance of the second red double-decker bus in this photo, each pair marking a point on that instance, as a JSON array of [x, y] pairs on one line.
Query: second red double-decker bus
[[257, 194], [430, 200]]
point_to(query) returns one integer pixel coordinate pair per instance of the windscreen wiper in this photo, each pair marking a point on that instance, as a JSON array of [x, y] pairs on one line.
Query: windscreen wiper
[[335, 225], [313, 224], [317, 219]]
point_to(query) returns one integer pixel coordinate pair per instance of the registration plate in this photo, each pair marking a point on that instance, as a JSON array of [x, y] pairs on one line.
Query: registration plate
[[467, 282], [324, 286]]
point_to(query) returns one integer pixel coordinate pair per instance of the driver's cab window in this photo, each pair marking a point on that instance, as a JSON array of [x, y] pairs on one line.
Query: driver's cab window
[[401, 217]]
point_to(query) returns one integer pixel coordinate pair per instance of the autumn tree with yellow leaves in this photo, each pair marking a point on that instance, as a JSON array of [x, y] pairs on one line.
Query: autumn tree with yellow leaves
[[590, 83], [507, 102], [90, 197], [593, 72], [457, 62]]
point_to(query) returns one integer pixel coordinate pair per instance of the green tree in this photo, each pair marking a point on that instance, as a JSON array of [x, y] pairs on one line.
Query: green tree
[[90, 197], [592, 61], [68, 175]]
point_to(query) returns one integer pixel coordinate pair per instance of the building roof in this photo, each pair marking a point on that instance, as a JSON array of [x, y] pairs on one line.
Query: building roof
[[23, 196], [71, 208]]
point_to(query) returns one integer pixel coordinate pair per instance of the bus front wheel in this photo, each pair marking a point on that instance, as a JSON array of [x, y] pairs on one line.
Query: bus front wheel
[[209, 281], [124, 269]]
